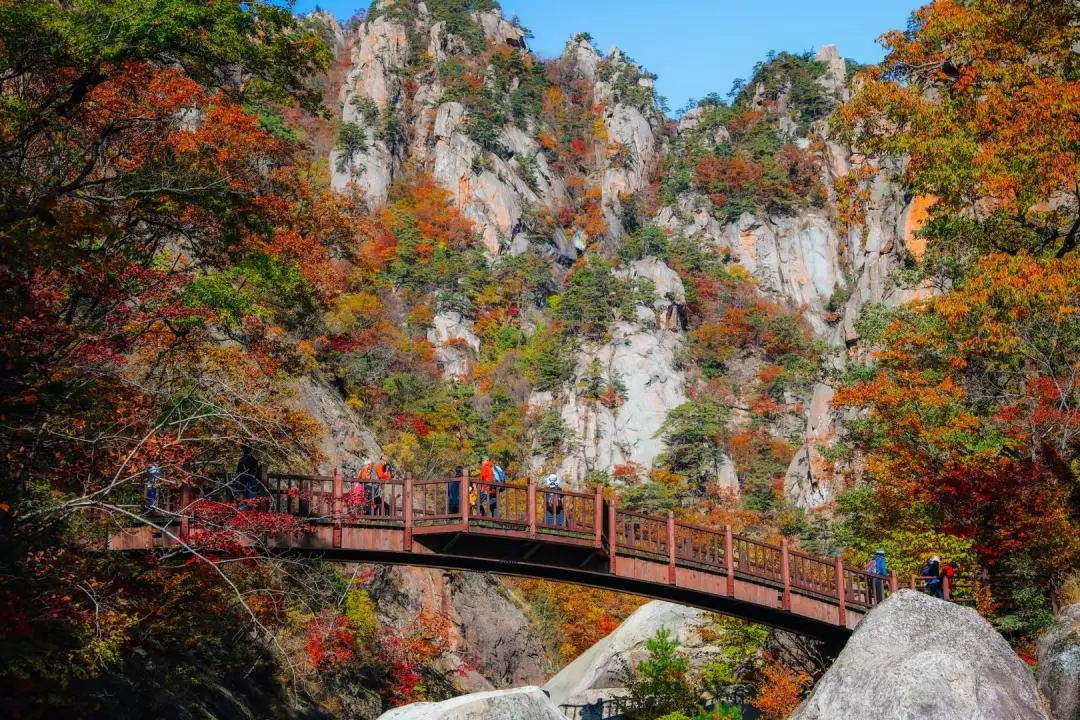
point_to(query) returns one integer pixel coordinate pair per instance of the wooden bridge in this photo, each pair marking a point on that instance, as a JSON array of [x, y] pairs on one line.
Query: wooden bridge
[[573, 537]]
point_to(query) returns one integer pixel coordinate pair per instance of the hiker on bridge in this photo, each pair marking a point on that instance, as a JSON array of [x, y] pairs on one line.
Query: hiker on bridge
[[491, 477], [553, 502], [384, 473], [366, 486], [486, 490], [453, 492], [877, 566], [247, 476], [931, 574], [153, 474]]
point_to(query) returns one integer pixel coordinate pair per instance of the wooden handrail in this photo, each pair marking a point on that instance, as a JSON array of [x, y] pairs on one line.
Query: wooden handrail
[[621, 533]]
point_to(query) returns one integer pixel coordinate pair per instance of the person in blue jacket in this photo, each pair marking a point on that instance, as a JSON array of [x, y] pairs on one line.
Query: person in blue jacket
[[877, 566]]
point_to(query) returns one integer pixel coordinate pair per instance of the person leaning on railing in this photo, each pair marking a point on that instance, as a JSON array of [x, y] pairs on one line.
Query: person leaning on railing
[[247, 475], [553, 502]]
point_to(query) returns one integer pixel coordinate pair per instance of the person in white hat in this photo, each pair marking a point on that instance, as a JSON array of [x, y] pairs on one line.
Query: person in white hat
[[553, 504]]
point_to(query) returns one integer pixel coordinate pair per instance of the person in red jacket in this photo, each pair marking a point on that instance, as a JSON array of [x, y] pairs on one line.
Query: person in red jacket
[[948, 577]]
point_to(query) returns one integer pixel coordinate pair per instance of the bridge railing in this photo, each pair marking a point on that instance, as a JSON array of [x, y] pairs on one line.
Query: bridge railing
[[699, 545], [812, 574], [528, 510], [760, 559], [565, 511], [641, 533], [438, 502]]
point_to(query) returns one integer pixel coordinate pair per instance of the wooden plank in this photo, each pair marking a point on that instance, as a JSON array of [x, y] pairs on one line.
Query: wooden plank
[[785, 570], [841, 605], [729, 560], [464, 499], [671, 546], [612, 549], [530, 505], [407, 510], [598, 514], [338, 484]]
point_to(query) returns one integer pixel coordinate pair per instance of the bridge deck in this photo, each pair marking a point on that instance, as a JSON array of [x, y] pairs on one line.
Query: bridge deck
[[573, 537]]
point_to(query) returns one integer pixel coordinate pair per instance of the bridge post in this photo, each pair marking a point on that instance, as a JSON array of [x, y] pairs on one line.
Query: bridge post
[[671, 546], [611, 533], [406, 511], [598, 518], [946, 587], [464, 493], [841, 596], [530, 508], [729, 560], [185, 512], [785, 571], [339, 488], [894, 582]]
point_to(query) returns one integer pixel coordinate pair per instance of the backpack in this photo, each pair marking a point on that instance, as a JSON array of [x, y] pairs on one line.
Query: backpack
[[499, 475]]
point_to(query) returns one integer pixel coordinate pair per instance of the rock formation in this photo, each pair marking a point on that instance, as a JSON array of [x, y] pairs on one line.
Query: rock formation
[[525, 703], [1059, 665], [491, 641], [597, 673], [915, 657]]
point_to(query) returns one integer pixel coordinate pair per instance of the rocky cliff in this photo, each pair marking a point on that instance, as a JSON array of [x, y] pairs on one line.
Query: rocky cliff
[[424, 90]]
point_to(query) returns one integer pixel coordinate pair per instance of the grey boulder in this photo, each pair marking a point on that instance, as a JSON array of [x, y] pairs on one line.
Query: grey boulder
[[527, 703], [918, 658]]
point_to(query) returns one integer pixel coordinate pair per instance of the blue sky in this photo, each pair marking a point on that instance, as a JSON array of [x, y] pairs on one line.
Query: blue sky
[[698, 46]]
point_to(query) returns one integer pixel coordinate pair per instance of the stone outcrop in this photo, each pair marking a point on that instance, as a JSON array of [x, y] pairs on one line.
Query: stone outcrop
[[491, 641], [347, 443], [525, 703], [491, 188], [835, 78], [645, 362], [918, 658], [1059, 665], [456, 345], [669, 299], [597, 673]]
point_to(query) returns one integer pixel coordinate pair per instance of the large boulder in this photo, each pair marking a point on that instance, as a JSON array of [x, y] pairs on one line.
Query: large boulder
[[1059, 665], [597, 673], [527, 703], [917, 658]]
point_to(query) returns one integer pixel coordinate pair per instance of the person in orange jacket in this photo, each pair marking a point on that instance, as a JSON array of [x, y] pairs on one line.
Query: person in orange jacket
[[486, 490], [384, 472]]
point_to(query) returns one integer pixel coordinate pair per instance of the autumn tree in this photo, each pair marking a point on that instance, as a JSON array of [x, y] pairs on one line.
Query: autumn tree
[[980, 99], [158, 231], [974, 422]]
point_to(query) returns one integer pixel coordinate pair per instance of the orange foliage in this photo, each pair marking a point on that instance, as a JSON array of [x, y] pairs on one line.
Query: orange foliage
[[781, 690], [432, 206], [585, 614]]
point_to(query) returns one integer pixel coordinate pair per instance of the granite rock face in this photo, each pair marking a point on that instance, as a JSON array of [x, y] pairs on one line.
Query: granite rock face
[[597, 673], [525, 703], [644, 361], [491, 642], [918, 658], [1059, 665]]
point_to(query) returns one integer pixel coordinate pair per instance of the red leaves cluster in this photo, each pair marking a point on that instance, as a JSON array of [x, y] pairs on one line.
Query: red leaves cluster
[[330, 643]]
